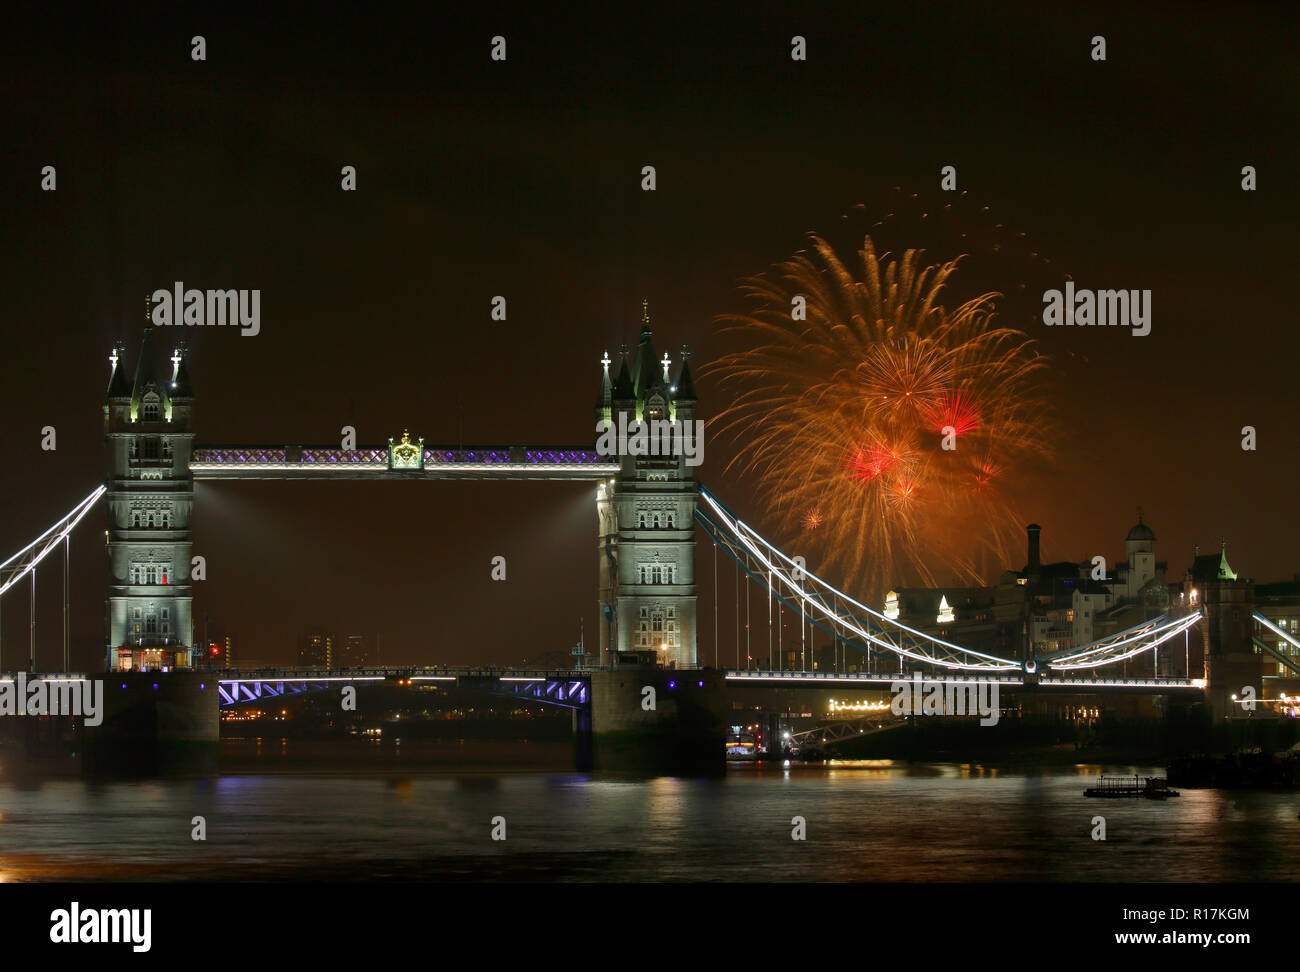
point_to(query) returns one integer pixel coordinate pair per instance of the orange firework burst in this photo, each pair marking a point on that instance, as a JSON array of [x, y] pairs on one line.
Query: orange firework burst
[[891, 416]]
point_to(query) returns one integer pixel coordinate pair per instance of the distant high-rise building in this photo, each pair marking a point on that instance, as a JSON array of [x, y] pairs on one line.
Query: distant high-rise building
[[358, 652], [230, 653], [317, 649]]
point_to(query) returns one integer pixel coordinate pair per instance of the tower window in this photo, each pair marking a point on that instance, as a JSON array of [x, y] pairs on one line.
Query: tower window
[[142, 573], [656, 574], [149, 412]]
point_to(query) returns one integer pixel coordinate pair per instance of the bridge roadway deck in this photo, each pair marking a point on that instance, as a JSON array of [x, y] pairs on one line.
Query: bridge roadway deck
[[569, 688]]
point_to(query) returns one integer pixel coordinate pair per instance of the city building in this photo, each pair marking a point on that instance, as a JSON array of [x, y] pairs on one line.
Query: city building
[[1043, 607], [316, 650], [357, 652], [1280, 603]]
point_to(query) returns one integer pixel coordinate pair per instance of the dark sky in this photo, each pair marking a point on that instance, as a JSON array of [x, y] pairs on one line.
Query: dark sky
[[522, 178]]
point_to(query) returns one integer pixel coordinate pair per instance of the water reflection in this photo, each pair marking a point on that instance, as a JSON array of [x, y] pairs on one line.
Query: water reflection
[[870, 820]]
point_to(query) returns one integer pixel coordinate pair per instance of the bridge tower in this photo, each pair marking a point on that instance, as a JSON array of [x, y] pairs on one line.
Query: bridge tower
[[150, 499], [646, 512], [1231, 663]]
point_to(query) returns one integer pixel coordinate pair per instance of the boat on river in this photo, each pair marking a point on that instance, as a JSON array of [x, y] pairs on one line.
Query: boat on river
[[1114, 787]]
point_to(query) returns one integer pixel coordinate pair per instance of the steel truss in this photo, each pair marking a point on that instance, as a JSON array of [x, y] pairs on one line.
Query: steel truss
[[852, 622], [24, 561]]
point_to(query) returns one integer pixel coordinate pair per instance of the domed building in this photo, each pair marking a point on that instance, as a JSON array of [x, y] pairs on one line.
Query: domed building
[[1133, 574]]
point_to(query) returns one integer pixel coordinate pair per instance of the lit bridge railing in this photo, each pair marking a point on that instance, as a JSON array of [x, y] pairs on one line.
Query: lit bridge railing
[[434, 462]]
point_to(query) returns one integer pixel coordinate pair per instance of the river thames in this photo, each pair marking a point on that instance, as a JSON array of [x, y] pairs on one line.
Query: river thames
[[434, 820]]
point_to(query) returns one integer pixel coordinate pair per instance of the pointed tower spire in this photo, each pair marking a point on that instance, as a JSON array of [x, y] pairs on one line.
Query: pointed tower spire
[[685, 385], [644, 368], [146, 377], [180, 383], [118, 386], [605, 396], [1225, 570], [623, 390]]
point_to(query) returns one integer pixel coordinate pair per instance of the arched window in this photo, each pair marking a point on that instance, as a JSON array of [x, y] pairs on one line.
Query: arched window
[[149, 412]]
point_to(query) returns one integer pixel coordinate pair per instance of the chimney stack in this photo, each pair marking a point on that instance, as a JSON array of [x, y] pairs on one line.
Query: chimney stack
[[1033, 530]]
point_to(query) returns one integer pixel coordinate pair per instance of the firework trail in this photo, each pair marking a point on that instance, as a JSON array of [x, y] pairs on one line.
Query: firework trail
[[842, 417]]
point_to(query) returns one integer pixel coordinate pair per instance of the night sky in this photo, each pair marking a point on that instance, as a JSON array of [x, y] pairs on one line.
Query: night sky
[[478, 178]]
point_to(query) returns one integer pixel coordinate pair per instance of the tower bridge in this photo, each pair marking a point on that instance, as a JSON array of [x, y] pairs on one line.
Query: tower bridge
[[648, 508]]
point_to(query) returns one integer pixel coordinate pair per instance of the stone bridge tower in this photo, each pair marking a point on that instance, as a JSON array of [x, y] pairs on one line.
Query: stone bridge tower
[[150, 499], [1231, 662], [646, 536]]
